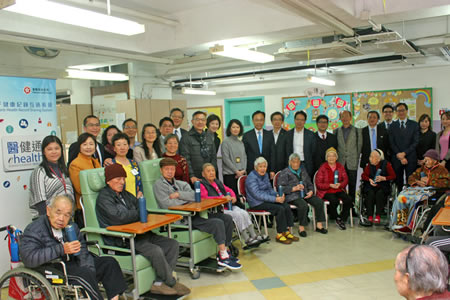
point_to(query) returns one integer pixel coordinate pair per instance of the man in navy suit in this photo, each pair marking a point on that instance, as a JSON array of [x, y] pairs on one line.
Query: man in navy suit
[[324, 140], [374, 137], [388, 115], [403, 137], [279, 136], [177, 116], [301, 141], [259, 142]]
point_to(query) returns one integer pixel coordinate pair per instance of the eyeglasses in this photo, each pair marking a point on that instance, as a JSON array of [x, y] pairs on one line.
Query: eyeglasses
[[93, 125], [130, 127], [408, 257], [200, 120], [176, 117]]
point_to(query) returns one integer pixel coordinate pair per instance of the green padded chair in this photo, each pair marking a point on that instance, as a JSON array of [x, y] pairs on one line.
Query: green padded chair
[[92, 181], [201, 245]]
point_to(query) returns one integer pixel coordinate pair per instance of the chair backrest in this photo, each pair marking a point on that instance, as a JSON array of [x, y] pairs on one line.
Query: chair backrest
[[241, 186], [150, 172], [275, 181], [91, 181], [314, 183]]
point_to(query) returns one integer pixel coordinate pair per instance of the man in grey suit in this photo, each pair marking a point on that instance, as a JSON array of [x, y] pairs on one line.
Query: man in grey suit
[[349, 149], [301, 141]]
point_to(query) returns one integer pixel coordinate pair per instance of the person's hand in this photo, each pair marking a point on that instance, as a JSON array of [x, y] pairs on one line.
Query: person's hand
[[424, 179], [401, 155], [194, 179], [301, 187], [279, 199], [108, 162], [233, 200], [175, 195], [228, 197], [420, 183], [308, 195], [380, 178], [139, 194], [272, 174], [333, 185], [337, 185], [372, 183], [404, 161], [72, 247], [442, 163]]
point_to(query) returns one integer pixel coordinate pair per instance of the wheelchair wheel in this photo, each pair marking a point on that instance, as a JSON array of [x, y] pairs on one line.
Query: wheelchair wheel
[[28, 284]]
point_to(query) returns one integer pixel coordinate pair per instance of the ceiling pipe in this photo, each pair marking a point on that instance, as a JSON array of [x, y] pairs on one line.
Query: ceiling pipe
[[296, 68]]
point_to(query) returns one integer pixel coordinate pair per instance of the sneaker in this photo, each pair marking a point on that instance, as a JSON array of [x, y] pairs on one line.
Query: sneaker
[[340, 224], [291, 237], [163, 289], [302, 233], [181, 289], [253, 242], [370, 219], [228, 263], [377, 219], [233, 258], [283, 240], [322, 230]]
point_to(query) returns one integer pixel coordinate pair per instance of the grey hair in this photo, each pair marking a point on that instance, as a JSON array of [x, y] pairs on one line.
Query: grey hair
[[205, 165], [427, 268], [294, 156], [379, 152], [60, 198], [260, 160]]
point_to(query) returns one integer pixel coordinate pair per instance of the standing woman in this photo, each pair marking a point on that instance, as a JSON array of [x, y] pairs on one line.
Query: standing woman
[[443, 141], [234, 159], [427, 138], [107, 135], [133, 184], [50, 178], [171, 144], [83, 161], [213, 124], [150, 147]]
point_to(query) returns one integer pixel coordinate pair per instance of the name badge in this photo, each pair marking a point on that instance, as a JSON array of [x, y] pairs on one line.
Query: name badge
[[134, 172], [238, 159]]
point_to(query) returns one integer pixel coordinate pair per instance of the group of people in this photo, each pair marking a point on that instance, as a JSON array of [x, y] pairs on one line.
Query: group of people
[[312, 168]]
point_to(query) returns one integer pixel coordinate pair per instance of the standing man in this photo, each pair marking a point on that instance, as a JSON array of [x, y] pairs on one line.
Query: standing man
[[349, 149], [129, 127], [197, 147], [165, 128], [324, 141], [301, 141], [388, 115], [259, 142], [374, 137], [91, 124], [279, 136], [403, 137], [177, 116]]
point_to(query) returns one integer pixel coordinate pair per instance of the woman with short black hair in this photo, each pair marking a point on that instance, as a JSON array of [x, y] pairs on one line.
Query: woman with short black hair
[[213, 124]]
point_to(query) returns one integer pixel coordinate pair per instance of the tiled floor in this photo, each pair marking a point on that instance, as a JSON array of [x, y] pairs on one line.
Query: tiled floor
[[354, 264]]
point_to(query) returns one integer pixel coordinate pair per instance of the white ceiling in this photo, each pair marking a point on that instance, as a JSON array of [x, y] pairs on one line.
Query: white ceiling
[[180, 32]]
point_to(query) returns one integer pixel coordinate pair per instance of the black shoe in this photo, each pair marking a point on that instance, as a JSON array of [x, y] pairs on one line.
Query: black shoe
[[302, 233], [354, 213], [340, 224], [322, 230]]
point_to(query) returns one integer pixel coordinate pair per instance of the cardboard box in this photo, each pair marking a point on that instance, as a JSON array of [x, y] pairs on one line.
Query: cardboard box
[[128, 107], [181, 104], [83, 110], [67, 120], [159, 109]]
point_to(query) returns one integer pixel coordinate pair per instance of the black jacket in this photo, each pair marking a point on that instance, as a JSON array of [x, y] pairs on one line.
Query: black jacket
[[321, 147], [309, 146], [38, 246], [280, 159], [252, 149], [382, 144]]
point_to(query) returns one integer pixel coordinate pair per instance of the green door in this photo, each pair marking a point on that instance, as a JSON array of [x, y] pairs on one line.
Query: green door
[[242, 109]]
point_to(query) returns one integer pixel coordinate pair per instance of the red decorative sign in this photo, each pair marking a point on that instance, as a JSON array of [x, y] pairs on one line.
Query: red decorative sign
[[316, 102], [340, 103], [291, 105]]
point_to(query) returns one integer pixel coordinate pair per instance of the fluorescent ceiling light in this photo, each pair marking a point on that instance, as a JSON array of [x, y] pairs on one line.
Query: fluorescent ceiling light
[[241, 53], [320, 80], [192, 91], [91, 75], [75, 16]]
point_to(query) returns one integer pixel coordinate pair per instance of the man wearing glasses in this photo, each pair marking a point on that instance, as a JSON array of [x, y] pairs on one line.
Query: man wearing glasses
[[388, 115], [198, 147], [129, 127], [91, 124], [177, 116]]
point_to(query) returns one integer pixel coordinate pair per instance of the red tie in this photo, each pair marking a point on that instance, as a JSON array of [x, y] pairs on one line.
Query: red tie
[[323, 136]]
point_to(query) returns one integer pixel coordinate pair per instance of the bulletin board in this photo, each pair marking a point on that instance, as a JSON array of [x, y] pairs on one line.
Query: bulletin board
[[209, 110], [330, 105], [419, 102]]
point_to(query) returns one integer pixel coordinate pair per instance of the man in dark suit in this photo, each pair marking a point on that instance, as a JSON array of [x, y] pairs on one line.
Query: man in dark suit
[[388, 115], [91, 124], [301, 141], [177, 116], [403, 138], [259, 142], [374, 137], [324, 140], [279, 136]]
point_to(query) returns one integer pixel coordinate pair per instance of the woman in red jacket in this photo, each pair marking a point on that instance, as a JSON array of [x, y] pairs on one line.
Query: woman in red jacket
[[376, 184], [330, 172]]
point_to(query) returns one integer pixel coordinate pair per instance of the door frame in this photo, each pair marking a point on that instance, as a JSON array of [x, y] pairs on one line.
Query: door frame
[[228, 101]]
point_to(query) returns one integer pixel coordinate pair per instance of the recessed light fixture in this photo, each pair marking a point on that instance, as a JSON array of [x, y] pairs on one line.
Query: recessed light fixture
[[194, 91], [241, 53], [92, 75], [320, 80]]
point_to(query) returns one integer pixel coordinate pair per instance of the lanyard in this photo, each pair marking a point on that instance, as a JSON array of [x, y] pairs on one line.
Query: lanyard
[[60, 178]]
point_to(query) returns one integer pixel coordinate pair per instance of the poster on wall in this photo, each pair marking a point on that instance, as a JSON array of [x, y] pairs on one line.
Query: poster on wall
[[329, 105], [104, 106], [419, 102], [209, 110]]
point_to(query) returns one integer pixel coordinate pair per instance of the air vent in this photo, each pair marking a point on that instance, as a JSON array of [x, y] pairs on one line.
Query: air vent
[[323, 51]]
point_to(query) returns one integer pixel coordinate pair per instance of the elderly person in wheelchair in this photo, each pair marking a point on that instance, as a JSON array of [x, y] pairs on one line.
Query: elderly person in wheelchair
[[299, 192], [46, 240], [376, 186], [430, 179]]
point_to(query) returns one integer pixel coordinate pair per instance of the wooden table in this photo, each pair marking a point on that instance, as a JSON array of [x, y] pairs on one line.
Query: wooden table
[[442, 218], [205, 204], [153, 221]]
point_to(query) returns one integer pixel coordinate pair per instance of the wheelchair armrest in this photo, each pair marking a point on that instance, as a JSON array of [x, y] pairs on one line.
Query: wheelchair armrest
[[104, 231], [117, 249], [170, 211], [91, 243]]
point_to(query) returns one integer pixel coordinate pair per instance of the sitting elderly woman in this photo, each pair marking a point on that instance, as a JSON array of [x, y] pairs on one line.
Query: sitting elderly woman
[[299, 190], [260, 195], [331, 180], [211, 187], [376, 184]]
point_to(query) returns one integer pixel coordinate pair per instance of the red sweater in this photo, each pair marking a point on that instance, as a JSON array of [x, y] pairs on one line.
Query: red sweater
[[325, 177], [391, 173]]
